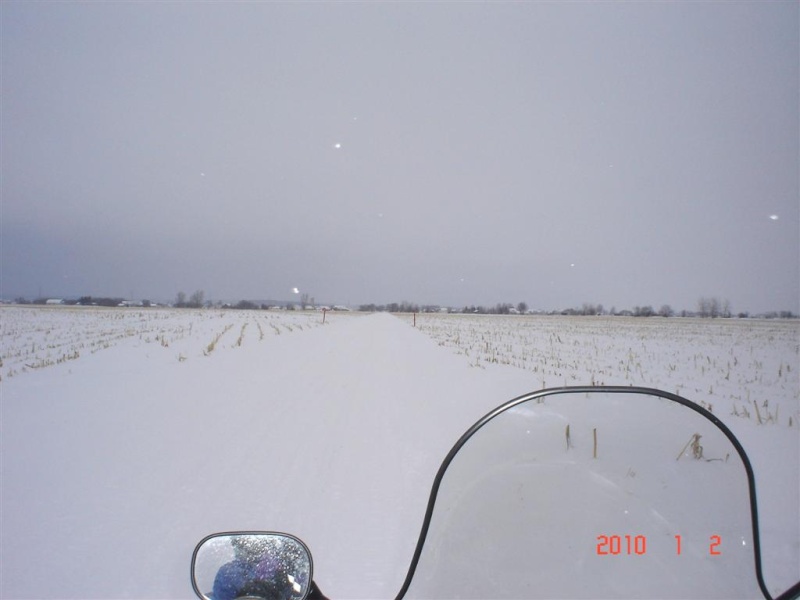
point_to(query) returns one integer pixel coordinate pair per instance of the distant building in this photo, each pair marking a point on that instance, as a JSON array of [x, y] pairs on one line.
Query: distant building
[[54, 301]]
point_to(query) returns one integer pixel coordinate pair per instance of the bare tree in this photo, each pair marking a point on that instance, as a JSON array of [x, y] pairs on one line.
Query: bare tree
[[196, 301], [714, 307], [180, 300], [726, 308], [704, 307]]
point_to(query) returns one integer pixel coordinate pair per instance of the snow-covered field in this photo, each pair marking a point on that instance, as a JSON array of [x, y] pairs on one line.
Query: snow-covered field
[[746, 369], [130, 434]]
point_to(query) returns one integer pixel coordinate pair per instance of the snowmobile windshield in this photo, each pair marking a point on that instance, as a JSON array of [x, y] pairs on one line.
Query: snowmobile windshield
[[591, 493]]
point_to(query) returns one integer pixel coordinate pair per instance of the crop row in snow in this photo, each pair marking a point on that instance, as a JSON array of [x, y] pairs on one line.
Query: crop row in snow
[[33, 338], [746, 368]]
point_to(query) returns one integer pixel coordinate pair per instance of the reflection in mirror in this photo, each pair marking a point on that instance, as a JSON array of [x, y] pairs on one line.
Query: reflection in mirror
[[253, 566], [591, 495]]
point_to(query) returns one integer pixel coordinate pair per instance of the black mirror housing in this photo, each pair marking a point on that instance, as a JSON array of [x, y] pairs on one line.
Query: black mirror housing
[[255, 565]]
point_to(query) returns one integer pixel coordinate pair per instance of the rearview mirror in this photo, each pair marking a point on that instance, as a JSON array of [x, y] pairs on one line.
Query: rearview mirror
[[251, 565]]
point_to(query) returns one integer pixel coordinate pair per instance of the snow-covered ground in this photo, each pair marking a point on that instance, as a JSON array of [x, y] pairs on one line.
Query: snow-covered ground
[[130, 434]]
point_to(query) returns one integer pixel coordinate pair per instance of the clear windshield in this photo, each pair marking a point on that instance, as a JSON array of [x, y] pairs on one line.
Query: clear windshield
[[657, 497]]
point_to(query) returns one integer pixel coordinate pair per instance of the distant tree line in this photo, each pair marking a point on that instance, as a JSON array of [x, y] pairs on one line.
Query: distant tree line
[[398, 307], [249, 305], [707, 307], [82, 301], [502, 308], [411, 307], [197, 300]]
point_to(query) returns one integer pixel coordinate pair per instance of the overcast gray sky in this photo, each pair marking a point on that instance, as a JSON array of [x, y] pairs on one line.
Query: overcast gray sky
[[451, 153]]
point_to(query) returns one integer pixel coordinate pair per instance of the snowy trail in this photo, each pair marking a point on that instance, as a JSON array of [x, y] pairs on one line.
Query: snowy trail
[[111, 475]]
